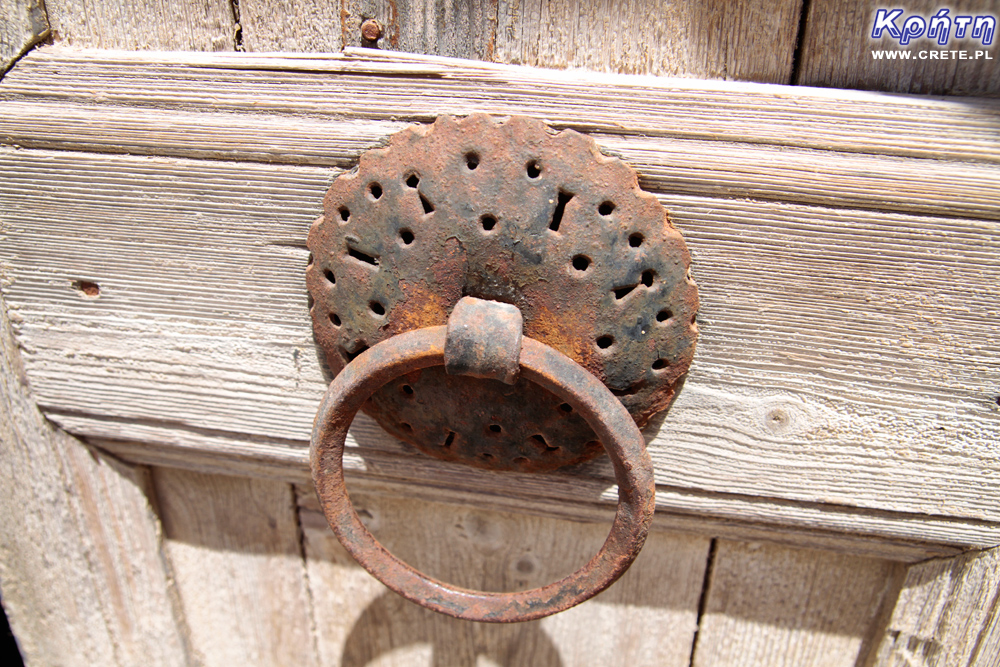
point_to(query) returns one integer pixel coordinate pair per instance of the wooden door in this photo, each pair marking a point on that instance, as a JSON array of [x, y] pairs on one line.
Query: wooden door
[[826, 481]]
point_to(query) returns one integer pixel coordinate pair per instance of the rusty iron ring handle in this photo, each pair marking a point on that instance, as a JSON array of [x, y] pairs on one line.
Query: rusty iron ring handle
[[539, 363]]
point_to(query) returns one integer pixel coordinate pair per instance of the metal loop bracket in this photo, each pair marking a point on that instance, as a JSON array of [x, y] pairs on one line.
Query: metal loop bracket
[[484, 340], [541, 364]]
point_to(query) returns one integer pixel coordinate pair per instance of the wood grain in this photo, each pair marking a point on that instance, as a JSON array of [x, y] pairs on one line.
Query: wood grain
[[782, 391], [371, 85], [290, 25], [23, 25], [836, 51], [83, 579], [769, 605], [818, 526], [747, 41], [647, 618], [843, 380], [679, 166], [173, 25], [236, 558], [456, 28], [752, 41], [948, 614]]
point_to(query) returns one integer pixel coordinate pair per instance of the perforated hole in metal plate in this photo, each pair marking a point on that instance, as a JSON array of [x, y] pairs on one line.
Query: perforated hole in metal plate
[[516, 212]]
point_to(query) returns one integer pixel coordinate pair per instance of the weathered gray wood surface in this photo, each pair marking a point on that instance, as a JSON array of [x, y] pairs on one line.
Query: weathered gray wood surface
[[770, 605], [752, 40], [181, 25], [363, 85], [844, 375], [291, 25], [22, 25], [647, 618], [837, 45], [831, 178], [948, 614], [749, 41], [82, 574], [235, 554], [457, 28]]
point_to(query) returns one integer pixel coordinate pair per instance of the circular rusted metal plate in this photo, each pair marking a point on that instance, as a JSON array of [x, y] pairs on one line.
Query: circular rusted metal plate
[[515, 212]]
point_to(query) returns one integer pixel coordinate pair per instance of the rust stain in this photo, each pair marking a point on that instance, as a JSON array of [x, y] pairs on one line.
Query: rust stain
[[345, 17], [392, 25]]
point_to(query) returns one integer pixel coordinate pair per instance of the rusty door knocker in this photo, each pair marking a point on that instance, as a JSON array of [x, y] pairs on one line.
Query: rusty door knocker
[[506, 296]]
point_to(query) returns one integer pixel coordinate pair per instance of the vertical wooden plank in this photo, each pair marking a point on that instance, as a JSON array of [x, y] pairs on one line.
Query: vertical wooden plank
[[837, 51], [81, 569], [773, 605], [291, 25], [753, 40], [948, 614], [169, 25], [456, 28], [234, 550], [647, 618], [22, 24]]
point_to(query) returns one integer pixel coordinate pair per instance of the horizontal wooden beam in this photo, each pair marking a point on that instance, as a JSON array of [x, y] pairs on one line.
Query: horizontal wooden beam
[[690, 166], [845, 378], [365, 84], [389, 467]]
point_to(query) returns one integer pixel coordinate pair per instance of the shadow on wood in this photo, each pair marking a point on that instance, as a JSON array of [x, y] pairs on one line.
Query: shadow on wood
[[647, 618], [391, 624]]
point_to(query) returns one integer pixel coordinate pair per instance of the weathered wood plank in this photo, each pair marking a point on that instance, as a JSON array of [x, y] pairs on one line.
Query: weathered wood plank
[[194, 25], [748, 41], [849, 389], [456, 28], [837, 51], [366, 85], [861, 532], [678, 166], [290, 25], [647, 618], [83, 579], [770, 605], [257, 212], [373, 463], [947, 615], [22, 25], [831, 337], [752, 41], [235, 555]]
